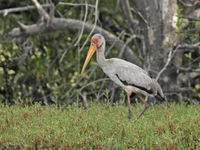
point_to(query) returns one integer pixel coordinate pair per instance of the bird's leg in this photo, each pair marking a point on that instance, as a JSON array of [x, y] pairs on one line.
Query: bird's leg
[[129, 107], [145, 108], [142, 99]]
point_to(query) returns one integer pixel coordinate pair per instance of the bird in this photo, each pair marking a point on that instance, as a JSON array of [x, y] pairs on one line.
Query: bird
[[132, 78]]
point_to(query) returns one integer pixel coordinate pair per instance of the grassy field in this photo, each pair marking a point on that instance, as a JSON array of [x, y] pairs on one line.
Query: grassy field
[[164, 126]]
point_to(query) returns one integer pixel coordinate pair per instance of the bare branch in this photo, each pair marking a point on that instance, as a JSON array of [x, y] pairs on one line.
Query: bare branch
[[20, 9], [189, 4], [75, 25], [85, 17], [125, 45], [41, 11], [127, 13], [189, 70], [190, 46], [140, 15], [22, 26], [183, 89], [76, 4], [85, 102], [113, 91], [91, 83], [93, 28], [189, 100], [170, 57], [185, 4], [190, 18]]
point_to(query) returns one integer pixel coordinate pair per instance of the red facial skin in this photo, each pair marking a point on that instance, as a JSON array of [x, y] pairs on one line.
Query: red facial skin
[[95, 41]]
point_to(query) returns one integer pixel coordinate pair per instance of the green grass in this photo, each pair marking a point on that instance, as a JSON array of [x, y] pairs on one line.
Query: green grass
[[169, 126]]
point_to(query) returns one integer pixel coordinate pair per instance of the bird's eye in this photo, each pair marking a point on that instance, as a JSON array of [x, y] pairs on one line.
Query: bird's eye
[[95, 41]]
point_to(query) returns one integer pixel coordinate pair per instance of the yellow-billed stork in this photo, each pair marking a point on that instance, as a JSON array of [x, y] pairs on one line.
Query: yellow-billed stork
[[130, 77]]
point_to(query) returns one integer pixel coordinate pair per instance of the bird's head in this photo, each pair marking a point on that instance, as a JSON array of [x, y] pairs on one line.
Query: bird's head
[[97, 42]]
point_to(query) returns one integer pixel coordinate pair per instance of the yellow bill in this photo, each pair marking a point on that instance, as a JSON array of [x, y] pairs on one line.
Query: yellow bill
[[89, 56]]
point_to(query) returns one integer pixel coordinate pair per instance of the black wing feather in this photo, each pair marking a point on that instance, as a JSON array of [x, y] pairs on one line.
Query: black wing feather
[[137, 86]]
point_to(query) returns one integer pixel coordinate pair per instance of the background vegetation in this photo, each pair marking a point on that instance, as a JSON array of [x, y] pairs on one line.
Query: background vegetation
[[45, 67]]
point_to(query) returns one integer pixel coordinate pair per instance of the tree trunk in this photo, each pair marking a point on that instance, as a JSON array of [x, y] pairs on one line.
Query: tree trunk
[[157, 24]]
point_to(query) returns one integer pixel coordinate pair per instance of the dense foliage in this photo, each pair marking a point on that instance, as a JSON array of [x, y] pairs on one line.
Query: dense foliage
[[170, 126], [41, 67]]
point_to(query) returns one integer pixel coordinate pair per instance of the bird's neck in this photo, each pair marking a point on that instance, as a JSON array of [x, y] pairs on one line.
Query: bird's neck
[[101, 60]]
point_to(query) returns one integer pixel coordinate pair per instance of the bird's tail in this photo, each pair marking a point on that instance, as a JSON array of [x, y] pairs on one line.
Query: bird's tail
[[159, 95], [160, 98]]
